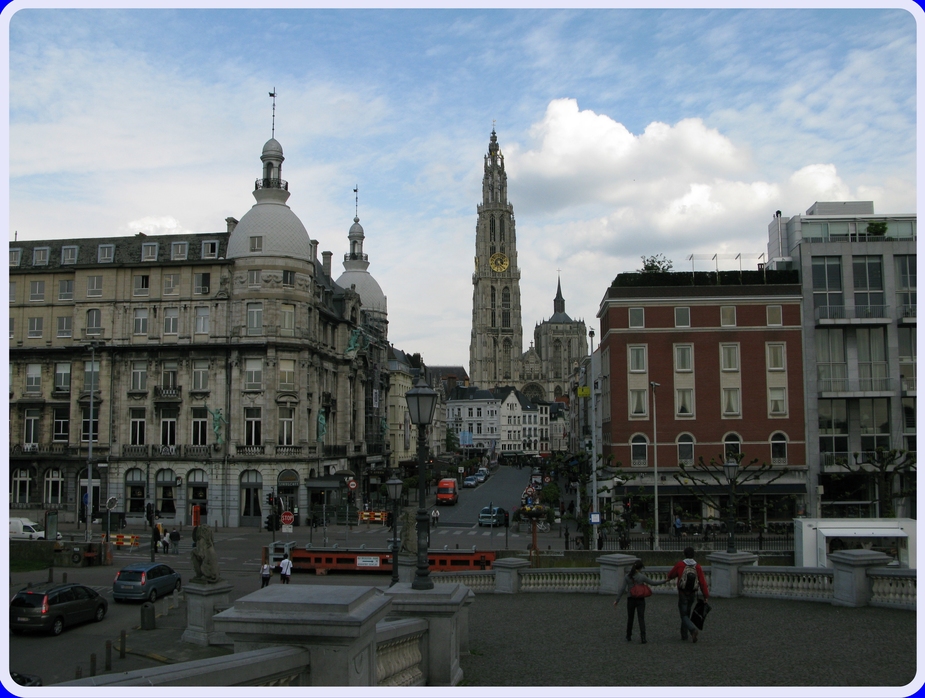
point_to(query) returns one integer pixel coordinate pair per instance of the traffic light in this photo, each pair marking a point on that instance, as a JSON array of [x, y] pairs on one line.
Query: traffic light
[[270, 499], [271, 522], [149, 512]]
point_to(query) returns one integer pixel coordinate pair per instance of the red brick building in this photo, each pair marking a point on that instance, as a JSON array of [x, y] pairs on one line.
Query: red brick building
[[725, 354]]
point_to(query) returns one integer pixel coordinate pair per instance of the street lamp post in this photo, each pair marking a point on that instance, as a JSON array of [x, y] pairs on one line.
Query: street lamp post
[[731, 468], [95, 377], [393, 486], [655, 545], [422, 401], [592, 381]]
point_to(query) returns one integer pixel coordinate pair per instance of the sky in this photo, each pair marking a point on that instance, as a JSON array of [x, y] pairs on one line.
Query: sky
[[626, 133]]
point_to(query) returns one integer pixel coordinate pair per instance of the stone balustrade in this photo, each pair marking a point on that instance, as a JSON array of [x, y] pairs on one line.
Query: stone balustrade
[[892, 588], [803, 583], [574, 580]]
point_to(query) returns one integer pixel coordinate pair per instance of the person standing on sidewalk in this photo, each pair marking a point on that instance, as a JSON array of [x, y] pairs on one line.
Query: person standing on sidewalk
[[175, 541], [265, 575], [690, 578], [635, 583], [285, 569]]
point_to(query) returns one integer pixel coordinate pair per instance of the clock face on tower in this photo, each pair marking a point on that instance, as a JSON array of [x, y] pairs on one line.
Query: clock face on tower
[[498, 262]]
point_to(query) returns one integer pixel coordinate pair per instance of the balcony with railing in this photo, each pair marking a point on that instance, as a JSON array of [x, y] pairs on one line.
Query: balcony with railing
[[832, 377], [835, 459], [165, 450], [135, 450], [198, 450], [335, 450], [288, 450], [271, 183], [874, 376], [170, 393], [249, 449], [865, 314]]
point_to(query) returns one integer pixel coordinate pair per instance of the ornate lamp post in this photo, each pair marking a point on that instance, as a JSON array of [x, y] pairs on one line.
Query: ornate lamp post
[[393, 486], [422, 401], [94, 385], [655, 544], [731, 468]]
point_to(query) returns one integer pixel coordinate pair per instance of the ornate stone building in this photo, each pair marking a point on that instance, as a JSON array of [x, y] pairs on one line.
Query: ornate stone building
[[496, 355], [207, 369]]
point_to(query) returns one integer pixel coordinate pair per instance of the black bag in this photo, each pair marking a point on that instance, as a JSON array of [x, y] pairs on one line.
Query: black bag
[[699, 614]]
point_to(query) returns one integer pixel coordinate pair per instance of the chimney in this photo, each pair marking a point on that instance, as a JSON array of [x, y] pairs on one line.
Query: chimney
[[451, 384], [326, 263], [231, 223]]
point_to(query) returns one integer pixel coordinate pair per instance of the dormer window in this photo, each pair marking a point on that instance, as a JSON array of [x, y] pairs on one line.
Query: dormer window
[[210, 249], [149, 252], [40, 257], [105, 253], [69, 254], [178, 250], [257, 243], [15, 257]]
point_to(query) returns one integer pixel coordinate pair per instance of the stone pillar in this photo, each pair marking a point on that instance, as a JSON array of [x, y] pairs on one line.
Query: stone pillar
[[851, 586], [724, 572], [614, 569], [464, 623], [441, 607], [337, 624], [201, 602], [507, 577], [407, 565]]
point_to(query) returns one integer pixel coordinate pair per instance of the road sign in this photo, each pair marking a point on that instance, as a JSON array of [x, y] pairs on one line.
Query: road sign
[[86, 498], [352, 484], [595, 518], [460, 469], [530, 491], [287, 518], [286, 529], [547, 479]]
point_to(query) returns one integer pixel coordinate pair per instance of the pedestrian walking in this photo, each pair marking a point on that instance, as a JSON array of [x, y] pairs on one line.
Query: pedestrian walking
[[175, 541], [637, 584], [435, 517], [285, 569], [690, 578], [265, 575]]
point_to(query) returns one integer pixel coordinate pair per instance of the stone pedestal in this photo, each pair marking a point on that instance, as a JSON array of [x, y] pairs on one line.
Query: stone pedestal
[[851, 586], [464, 623], [441, 607], [201, 601], [507, 576], [337, 624], [614, 569], [724, 572], [407, 566]]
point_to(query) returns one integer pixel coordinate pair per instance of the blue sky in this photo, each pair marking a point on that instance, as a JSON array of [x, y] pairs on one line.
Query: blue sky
[[625, 133]]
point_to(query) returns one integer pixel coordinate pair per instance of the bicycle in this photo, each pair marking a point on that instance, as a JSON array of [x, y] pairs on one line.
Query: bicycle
[[542, 526]]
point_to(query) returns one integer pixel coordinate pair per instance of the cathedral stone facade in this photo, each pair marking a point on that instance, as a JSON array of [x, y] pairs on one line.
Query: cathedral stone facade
[[496, 355]]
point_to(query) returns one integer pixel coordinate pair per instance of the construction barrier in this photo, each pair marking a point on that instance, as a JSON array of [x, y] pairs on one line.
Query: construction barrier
[[376, 516], [123, 540]]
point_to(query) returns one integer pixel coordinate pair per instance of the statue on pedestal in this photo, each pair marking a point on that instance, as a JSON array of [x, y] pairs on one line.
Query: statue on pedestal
[[203, 556]]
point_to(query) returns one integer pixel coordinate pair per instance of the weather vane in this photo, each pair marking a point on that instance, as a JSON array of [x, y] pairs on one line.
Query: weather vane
[[273, 130], [356, 200]]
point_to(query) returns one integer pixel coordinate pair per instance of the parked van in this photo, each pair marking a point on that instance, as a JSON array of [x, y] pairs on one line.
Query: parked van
[[484, 471], [26, 529], [447, 493]]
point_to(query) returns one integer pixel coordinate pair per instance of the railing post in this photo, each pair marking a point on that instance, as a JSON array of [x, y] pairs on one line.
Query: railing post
[[724, 572], [507, 574], [614, 569], [851, 586]]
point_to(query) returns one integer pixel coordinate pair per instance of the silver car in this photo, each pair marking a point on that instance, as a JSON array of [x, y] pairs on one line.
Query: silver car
[[145, 580]]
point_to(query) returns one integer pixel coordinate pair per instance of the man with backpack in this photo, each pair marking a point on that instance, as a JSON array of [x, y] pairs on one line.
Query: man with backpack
[[690, 578]]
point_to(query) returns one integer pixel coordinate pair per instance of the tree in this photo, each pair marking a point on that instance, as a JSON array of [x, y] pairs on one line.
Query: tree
[[452, 441], [876, 228], [655, 263], [892, 470]]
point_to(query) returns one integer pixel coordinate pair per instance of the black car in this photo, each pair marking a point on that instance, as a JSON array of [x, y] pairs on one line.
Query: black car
[[52, 607]]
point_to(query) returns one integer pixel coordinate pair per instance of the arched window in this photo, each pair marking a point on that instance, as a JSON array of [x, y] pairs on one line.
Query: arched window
[[557, 359], [506, 360], [506, 307], [778, 449], [165, 483], [251, 490], [639, 447], [135, 490], [494, 301], [491, 229], [733, 445], [53, 489], [501, 237], [22, 483], [686, 449]]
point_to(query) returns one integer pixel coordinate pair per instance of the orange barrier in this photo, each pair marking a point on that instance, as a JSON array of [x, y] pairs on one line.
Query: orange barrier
[[377, 516], [123, 540]]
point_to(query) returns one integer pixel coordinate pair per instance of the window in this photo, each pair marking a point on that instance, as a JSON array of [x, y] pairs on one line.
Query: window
[[202, 320], [252, 436], [286, 424], [200, 426], [506, 310], [94, 286], [777, 401], [255, 318], [637, 317], [875, 423], [907, 352], [171, 284], [63, 377], [139, 375], [64, 326], [201, 283], [21, 482], [733, 445], [639, 449], [69, 254], [200, 374], [873, 368], [135, 490], [778, 449], [141, 321], [53, 492], [775, 316], [149, 251], [833, 429], [683, 357], [35, 327], [66, 290], [89, 429], [36, 290], [905, 284], [684, 399], [831, 364], [169, 428], [775, 357], [253, 374], [637, 359], [288, 278], [137, 416], [210, 249], [287, 320], [256, 243], [91, 375], [178, 250], [94, 321], [730, 402], [40, 257], [868, 286], [686, 449], [142, 284], [12, 326], [15, 257], [169, 374], [105, 253], [171, 320], [286, 374], [253, 277], [729, 354], [33, 378], [727, 316], [638, 403], [827, 287], [61, 424], [31, 426], [682, 317], [12, 292]]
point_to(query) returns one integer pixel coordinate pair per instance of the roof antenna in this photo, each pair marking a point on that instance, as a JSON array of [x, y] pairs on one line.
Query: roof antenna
[[273, 130], [356, 200]]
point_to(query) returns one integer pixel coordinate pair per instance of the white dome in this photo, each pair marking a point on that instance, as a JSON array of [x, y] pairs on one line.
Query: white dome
[[370, 292], [282, 231]]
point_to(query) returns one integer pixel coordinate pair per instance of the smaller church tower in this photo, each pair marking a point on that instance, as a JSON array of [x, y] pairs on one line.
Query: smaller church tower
[[560, 341]]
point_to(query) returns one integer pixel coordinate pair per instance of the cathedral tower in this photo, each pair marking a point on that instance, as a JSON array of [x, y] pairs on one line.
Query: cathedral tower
[[496, 346]]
